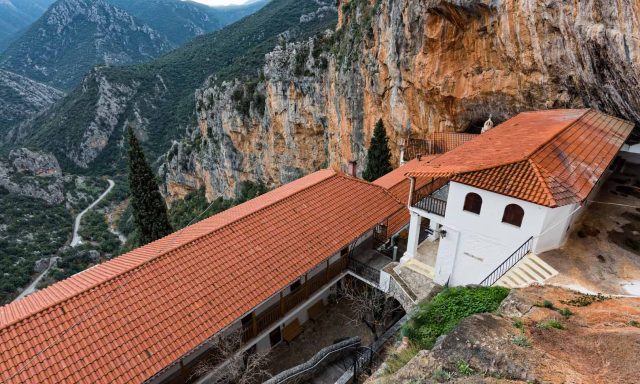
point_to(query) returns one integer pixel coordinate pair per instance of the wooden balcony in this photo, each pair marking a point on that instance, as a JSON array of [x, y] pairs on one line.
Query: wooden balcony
[[262, 321]]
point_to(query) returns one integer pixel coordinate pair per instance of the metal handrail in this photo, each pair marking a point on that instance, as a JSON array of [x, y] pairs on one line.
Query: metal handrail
[[365, 271], [432, 205], [506, 265]]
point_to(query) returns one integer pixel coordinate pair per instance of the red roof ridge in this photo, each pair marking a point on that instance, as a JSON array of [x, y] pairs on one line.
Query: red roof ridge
[[371, 183], [560, 132], [20, 304], [543, 182]]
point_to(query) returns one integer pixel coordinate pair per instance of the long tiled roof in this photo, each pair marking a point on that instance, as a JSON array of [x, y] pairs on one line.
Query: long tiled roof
[[124, 320], [552, 158]]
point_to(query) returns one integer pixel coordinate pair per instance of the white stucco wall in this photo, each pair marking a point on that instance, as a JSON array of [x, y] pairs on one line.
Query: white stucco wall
[[555, 227], [476, 244]]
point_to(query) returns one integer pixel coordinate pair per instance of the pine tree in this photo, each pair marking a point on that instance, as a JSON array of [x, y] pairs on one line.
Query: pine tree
[[379, 155], [149, 208]]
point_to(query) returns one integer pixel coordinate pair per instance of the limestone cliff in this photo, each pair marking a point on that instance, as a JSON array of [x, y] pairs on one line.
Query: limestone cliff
[[421, 66]]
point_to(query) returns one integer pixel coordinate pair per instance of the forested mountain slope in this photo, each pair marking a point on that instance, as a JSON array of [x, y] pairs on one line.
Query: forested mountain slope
[[85, 129], [74, 35]]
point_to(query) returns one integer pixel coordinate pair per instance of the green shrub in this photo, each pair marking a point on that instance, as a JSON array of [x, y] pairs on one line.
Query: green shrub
[[441, 375], [464, 368], [565, 312], [518, 324], [545, 304], [444, 312], [521, 341], [634, 323], [548, 324]]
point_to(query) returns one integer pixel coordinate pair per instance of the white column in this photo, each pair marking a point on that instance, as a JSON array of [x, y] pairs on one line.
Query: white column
[[414, 236], [434, 227]]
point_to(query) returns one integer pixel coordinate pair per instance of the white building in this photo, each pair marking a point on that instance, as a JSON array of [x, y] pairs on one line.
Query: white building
[[509, 193]]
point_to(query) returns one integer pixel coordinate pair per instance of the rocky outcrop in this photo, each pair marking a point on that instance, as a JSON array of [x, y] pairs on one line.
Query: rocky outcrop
[[32, 174], [590, 344], [21, 99], [420, 67]]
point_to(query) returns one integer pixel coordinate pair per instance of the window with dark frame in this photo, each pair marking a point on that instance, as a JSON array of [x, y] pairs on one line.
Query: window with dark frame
[[513, 214], [296, 284], [472, 203]]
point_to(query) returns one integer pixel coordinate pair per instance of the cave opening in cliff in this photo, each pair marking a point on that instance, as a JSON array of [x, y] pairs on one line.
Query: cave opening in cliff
[[475, 126]]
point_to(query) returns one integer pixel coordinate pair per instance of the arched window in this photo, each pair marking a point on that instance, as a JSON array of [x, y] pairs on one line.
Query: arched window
[[513, 214], [472, 203]]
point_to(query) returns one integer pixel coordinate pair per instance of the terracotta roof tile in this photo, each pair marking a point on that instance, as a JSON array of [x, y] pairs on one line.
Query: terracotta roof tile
[[551, 158], [124, 320]]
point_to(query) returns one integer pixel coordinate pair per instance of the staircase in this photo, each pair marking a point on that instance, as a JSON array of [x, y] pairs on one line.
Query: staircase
[[529, 270]]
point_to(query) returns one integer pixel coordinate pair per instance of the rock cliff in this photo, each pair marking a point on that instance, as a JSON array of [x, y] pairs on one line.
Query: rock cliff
[[419, 66], [32, 174], [21, 99]]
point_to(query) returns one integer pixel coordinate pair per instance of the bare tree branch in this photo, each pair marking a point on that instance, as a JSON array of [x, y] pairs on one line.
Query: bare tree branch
[[368, 305], [228, 365]]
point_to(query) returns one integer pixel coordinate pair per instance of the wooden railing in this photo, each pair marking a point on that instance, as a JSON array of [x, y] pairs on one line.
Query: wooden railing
[[506, 265], [263, 320]]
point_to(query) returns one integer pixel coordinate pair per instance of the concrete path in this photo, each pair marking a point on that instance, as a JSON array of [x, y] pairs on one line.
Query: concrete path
[[77, 240], [32, 287]]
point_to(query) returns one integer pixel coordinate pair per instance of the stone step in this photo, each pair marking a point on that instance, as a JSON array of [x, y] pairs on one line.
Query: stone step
[[530, 270], [421, 268]]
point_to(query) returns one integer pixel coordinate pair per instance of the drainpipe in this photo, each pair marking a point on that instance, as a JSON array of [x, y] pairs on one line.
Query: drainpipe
[[412, 185]]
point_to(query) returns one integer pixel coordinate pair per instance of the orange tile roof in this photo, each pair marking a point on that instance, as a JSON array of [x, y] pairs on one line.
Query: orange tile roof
[[124, 320], [398, 184], [551, 158]]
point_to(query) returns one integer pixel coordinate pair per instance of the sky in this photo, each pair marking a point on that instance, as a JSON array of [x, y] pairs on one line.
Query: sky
[[220, 2]]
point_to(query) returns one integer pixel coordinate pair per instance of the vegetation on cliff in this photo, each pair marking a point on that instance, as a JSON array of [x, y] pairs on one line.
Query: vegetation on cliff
[[441, 315], [378, 154], [149, 207]]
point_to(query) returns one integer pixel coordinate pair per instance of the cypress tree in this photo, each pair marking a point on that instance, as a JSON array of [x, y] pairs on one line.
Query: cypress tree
[[149, 208], [378, 155]]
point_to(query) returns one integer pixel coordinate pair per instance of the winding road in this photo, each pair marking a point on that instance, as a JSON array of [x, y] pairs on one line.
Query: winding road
[[77, 240]]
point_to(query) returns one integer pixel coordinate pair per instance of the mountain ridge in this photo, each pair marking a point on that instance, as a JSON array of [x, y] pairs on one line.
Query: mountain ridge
[[74, 35]]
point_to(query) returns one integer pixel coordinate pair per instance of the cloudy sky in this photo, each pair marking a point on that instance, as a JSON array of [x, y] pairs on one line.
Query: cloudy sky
[[220, 2]]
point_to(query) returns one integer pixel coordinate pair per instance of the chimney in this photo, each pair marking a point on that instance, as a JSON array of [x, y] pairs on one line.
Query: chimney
[[352, 167]]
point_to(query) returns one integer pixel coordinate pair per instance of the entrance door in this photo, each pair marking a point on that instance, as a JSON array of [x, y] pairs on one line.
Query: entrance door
[[275, 337]]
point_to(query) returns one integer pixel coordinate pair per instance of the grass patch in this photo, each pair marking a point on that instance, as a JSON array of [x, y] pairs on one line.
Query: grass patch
[[398, 360], [634, 323], [585, 300], [549, 324], [445, 311]]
